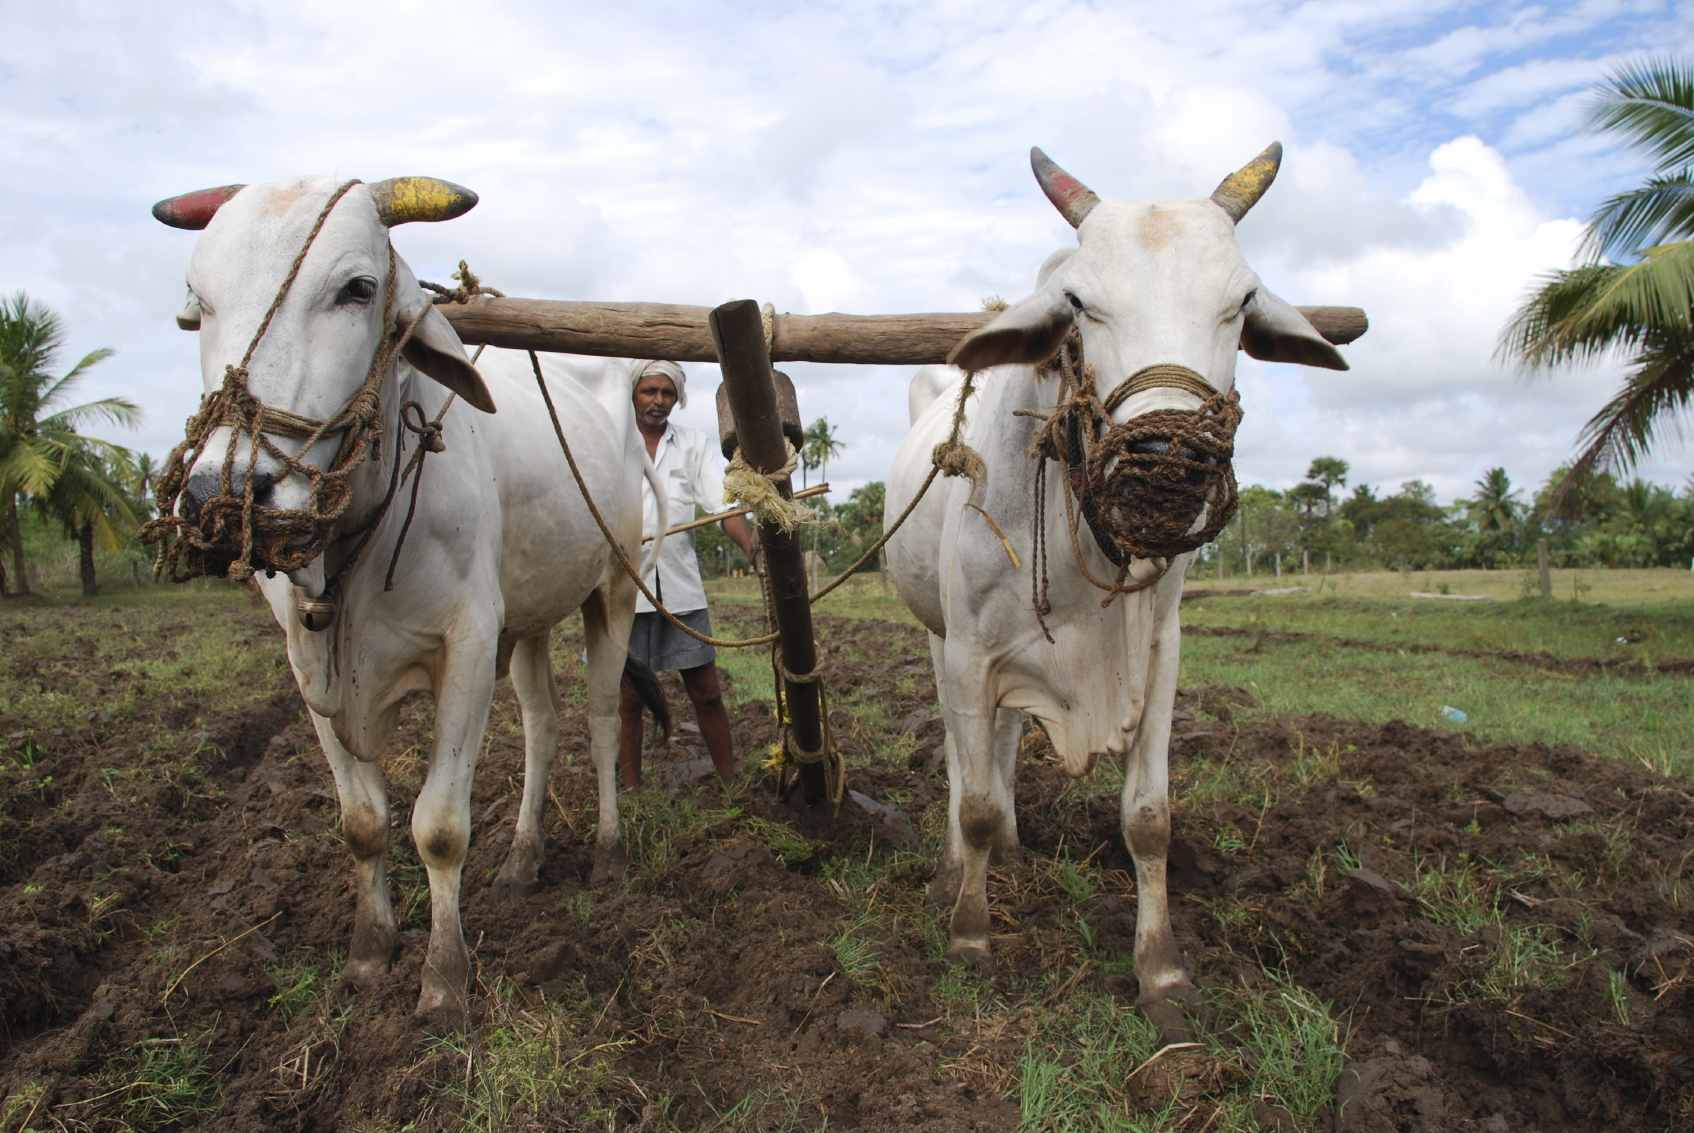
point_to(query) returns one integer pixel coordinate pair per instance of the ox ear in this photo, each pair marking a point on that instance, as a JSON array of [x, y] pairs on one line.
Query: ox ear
[[435, 349], [1276, 332], [1030, 331]]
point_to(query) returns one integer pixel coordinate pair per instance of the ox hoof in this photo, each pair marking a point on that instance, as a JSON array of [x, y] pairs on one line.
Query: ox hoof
[[442, 1015], [513, 892], [610, 864], [973, 952], [364, 975], [1168, 1013]]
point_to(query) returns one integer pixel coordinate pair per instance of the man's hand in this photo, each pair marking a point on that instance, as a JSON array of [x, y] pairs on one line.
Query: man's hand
[[747, 538]]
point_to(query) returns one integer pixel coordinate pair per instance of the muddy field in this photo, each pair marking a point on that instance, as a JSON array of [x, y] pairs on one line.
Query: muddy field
[[1483, 937]]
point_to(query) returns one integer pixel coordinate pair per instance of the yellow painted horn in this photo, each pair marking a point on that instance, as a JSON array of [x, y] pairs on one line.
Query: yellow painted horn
[[1242, 189], [401, 200]]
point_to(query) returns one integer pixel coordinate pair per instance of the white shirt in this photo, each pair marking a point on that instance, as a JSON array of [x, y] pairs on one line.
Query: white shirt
[[691, 469]]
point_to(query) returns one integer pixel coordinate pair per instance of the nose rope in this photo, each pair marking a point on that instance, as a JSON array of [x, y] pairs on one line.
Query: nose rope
[[231, 523], [1139, 502]]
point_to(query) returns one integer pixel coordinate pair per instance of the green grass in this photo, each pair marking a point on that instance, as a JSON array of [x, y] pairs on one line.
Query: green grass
[[520, 1062], [108, 654], [163, 1083], [1091, 1065], [1640, 717], [300, 985]]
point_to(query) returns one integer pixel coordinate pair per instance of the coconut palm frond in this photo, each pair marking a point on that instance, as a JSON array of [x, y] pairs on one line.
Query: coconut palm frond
[[29, 469], [1655, 398], [63, 385], [84, 494], [1659, 212], [1579, 314], [1650, 103], [116, 410]]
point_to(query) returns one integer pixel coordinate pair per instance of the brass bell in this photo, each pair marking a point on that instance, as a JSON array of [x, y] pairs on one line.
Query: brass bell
[[317, 614]]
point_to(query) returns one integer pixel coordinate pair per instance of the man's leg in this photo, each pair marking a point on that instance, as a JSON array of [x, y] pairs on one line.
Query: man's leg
[[629, 739], [707, 695]]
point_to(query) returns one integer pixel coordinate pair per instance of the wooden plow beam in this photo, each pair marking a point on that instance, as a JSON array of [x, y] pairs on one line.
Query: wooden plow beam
[[683, 333]]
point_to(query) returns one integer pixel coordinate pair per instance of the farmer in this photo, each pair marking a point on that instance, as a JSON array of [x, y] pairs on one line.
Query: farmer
[[693, 475]]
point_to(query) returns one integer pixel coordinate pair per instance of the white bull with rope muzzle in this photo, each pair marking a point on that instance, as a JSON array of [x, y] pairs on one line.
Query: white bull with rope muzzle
[[1061, 602], [330, 377]]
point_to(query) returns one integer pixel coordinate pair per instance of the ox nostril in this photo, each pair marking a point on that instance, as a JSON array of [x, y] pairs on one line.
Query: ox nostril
[[263, 482], [201, 487], [204, 485], [1160, 446]]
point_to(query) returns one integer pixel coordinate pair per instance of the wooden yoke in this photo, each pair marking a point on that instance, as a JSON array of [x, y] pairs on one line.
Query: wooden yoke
[[739, 338], [679, 332]]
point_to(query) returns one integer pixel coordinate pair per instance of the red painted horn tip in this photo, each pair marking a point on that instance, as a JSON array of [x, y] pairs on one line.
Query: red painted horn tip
[[194, 211]]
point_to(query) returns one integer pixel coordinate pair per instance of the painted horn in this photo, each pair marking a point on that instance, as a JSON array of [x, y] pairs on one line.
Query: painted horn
[[401, 200], [1242, 189], [1071, 197], [195, 210]]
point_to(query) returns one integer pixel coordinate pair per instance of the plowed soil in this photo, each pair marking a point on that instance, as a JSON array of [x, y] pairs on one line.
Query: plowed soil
[[141, 903]]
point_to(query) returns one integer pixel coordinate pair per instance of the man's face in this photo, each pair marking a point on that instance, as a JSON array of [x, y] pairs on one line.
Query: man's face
[[655, 397]]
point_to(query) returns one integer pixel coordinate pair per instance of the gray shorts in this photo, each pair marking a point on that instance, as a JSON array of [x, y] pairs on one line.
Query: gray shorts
[[660, 646]]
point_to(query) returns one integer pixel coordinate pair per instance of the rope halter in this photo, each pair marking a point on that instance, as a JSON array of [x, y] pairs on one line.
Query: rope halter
[[230, 530]]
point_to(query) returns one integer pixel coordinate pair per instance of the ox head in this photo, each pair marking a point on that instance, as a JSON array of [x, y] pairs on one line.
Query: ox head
[[1152, 282], [318, 347], [1157, 290]]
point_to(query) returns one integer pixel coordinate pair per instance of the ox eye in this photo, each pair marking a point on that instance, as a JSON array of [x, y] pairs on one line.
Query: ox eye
[[1076, 303], [360, 290], [1251, 295]]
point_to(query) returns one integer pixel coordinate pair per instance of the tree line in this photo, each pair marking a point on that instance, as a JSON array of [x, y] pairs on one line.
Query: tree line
[[1599, 521]]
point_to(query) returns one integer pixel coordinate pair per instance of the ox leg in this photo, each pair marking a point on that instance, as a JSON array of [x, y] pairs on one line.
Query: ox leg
[[532, 678], [441, 819], [364, 827], [981, 806], [1147, 831], [607, 632], [944, 890], [1008, 734]]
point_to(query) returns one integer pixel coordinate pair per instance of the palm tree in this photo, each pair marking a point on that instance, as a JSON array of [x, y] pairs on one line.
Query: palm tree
[[1494, 507], [87, 501], [38, 440], [820, 448], [1635, 291], [1328, 471]]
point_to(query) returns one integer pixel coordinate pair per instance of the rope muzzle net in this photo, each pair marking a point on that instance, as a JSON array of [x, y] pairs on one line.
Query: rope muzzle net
[[1143, 485]]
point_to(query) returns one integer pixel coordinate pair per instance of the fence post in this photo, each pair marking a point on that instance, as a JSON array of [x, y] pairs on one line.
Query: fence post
[[745, 358], [1546, 573]]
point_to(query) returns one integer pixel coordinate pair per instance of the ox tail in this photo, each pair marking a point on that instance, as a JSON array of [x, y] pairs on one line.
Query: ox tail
[[651, 558], [646, 684]]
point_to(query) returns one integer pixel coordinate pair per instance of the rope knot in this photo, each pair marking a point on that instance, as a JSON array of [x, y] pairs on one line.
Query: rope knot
[[758, 493], [469, 287], [956, 458]]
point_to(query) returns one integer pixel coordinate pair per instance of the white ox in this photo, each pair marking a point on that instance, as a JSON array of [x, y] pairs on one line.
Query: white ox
[[501, 548], [1149, 282]]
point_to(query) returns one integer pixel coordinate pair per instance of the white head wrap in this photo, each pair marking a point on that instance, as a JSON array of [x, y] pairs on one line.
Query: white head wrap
[[642, 367]]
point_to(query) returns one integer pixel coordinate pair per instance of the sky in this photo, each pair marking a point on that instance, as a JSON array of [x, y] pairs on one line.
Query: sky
[[864, 157]]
